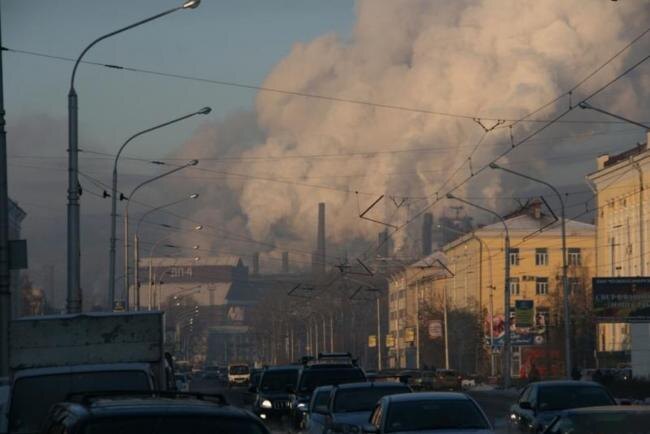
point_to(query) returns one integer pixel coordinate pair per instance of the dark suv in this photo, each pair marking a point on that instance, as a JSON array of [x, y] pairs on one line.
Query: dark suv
[[327, 369], [150, 412], [272, 393]]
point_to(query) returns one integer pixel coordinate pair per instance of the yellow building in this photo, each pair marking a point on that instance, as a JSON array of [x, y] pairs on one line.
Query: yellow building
[[476, 282], [623, 240]]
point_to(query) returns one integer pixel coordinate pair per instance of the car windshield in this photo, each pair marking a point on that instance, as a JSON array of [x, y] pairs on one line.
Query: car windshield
[[171, 424], [607, 423], [239, 370], [434, 414], [278, 381], [551, 398], [33, 396], [316, 378], [363, 399]]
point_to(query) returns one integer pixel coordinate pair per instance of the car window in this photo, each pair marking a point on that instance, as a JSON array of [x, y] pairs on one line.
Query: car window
[[434, 414], [561, 426], [278, 381], [363, 399], [173, 424], [551, 398], [239, 370]]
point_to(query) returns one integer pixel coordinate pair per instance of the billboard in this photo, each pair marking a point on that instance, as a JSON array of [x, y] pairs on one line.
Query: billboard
[[435, 329], [519, 336], [372, 341], [621, 299], [409, 334], [524, 313]]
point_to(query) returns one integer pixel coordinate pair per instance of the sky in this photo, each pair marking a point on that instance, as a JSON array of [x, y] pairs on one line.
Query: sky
[[398, 83]]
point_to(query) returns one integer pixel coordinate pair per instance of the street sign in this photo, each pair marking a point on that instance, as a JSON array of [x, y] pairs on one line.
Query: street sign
[[435, 329], [409, 334], [372, 341], [524, 313], [390, 340], [621, 299]]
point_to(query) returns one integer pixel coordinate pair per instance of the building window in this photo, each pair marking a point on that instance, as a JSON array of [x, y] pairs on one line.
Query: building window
[[541, 256], [574, 256], [575, 284], [541, 286], [514, 286], [513, 255]]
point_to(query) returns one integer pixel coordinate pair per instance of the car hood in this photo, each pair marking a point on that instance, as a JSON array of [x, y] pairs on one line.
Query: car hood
[[352, 418]]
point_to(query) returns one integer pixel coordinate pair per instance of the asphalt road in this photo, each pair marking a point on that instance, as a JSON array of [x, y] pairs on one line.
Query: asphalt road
[[495, 403]]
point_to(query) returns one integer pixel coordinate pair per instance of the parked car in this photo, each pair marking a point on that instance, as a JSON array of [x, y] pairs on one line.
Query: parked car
[[314, 420], [350, 404], [328, 369], [272, 399], [539, 403], [147, 412], [447, 379], [602, 420], [428, 412]]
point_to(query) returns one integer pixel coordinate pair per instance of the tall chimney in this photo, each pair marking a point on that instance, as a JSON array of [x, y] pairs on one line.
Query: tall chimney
[[383, 247], [318, 258], [427, 234], [256, 263], [285, 262]]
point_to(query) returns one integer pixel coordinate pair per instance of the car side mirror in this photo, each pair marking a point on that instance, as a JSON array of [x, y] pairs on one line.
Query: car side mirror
[[370, 429], [525, 405]]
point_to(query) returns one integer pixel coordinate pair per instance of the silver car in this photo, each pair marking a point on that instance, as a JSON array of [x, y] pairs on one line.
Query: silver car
[[428, 412]]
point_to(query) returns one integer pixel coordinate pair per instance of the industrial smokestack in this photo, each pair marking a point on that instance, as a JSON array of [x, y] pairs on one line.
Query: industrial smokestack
[[427, 234], [383, 244], [318, 258], [285, 262], [256, 263]]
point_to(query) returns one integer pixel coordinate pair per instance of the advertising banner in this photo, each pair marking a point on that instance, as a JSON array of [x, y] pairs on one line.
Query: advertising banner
[[372, 341], [524, 313], [435, 329], [621, 299], [390, 340], [519, 336], [409, 334]]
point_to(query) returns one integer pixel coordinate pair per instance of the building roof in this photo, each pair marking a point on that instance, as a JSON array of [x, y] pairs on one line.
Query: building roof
[[224, 261], [545, 224]]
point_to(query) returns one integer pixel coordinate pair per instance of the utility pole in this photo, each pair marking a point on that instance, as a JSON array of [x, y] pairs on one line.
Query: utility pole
[[417, 324], [444, 316], [5, 278], [378, 334]]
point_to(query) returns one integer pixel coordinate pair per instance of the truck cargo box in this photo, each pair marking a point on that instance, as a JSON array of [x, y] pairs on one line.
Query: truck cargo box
[[64, 340]]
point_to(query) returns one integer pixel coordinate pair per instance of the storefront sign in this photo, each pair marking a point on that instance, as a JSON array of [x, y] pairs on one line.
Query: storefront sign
[[390, 340], [409, 334]]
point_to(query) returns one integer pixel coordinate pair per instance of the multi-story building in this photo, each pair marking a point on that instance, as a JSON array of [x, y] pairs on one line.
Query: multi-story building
[[623, 240], [474, 288]]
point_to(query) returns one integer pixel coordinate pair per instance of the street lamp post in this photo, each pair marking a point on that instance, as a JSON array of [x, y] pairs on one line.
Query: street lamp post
[[506, 317], [111, 265], [565, 279], [136, 247], [73, 224], [126, 224]]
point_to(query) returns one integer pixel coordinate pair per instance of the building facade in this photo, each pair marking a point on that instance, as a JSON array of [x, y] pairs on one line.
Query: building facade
[[623, 239], [472, 293]]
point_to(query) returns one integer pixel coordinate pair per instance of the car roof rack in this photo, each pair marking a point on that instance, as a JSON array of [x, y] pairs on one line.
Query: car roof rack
[[87, 397], [330, 359]]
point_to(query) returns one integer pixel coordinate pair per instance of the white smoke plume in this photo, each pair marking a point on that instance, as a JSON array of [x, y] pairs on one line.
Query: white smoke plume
[[489, 59]]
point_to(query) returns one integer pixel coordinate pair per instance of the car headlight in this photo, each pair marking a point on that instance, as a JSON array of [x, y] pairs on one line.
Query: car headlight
[[302, 406], [266, 404]]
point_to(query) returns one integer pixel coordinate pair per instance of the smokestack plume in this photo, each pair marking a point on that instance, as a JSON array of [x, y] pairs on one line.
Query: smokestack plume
[[285, 262], [318, 258], [427, 234], [256, 263]]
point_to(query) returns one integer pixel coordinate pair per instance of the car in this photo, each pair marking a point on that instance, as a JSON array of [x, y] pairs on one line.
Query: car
[[238, 374], [540, 402], [423, 412], [256, 374], [614, 419], [155, 412], [316, 414], [182, 382], [447, 379], [350, 405], [327, 369], [272, 399]]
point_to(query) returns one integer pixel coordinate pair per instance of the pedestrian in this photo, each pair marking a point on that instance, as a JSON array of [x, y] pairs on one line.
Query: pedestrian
[[533, 374], [575, 373]]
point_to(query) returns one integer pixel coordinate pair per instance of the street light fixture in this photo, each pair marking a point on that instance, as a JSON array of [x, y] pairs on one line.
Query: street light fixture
[[506, 316], [136, 248], [113, 241], [565, 279], [73, 220]]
